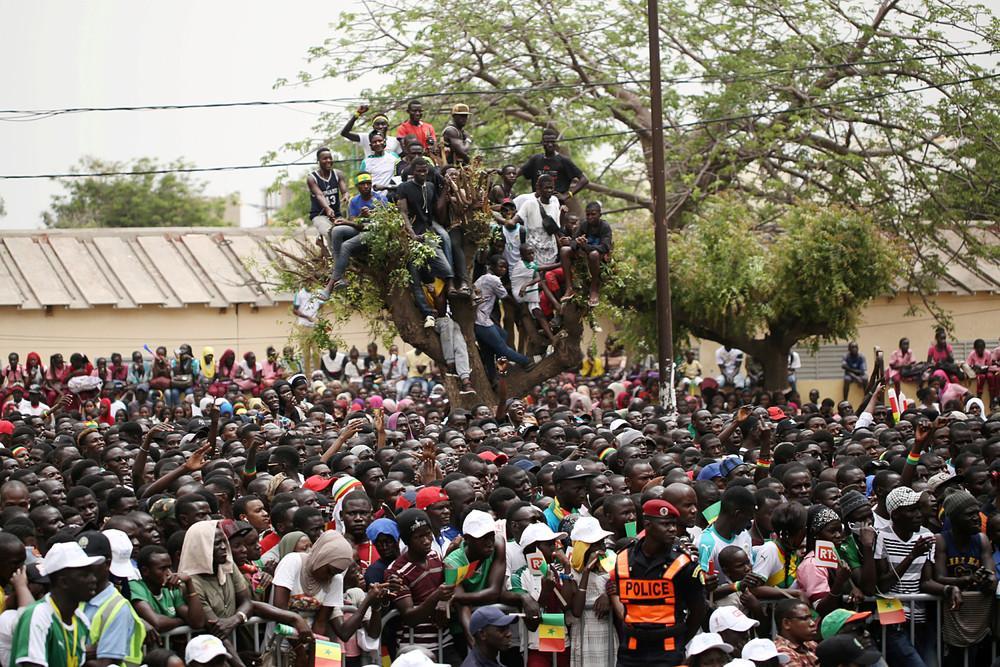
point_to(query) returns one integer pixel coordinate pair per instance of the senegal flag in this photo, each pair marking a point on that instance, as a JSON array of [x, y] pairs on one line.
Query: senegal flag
[[457, 567], [552, 633], [327, 654]]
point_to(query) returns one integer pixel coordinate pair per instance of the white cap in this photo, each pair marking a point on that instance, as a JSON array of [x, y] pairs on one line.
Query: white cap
[[415, 657], [730, 618], [121, 554], [617, 424], [538, 532], [763, 649], [705, 641], [67, 555], [478, 523], [203, 648], [588, 529], [740, 662]]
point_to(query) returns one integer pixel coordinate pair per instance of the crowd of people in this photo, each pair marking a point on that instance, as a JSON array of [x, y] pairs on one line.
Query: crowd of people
[[539, 239], [363, 517]]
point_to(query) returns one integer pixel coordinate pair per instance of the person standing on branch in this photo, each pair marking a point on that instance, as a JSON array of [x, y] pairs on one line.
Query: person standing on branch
[[327, 188]]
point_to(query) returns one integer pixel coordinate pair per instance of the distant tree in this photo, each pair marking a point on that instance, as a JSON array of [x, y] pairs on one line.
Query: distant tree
[[138, 199], [758, 278]]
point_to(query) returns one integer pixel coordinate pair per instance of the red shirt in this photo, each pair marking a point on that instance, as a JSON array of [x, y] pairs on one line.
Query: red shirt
[[268, 541], [422, 132]]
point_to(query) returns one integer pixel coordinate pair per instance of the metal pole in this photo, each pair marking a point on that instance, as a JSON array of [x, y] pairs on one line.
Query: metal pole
[[664, 334]]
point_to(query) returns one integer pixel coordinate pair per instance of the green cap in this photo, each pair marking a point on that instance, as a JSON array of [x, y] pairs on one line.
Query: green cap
[[838, 618]]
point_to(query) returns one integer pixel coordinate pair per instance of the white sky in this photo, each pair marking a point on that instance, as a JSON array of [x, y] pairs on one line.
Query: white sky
[[68, 53], [62, 53]]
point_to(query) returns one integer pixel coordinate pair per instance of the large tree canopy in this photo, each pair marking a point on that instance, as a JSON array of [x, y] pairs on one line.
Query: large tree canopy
[[139, 200], [886, 110]]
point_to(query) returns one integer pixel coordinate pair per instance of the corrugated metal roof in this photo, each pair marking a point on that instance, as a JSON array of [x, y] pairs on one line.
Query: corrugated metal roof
[[129, 268]]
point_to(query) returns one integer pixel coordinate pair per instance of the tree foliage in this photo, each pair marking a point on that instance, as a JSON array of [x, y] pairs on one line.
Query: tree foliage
[[760, 278], [886, 111], [139, 200]]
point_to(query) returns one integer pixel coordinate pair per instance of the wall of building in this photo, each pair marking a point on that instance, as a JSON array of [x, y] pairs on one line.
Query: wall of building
[[885, 321]]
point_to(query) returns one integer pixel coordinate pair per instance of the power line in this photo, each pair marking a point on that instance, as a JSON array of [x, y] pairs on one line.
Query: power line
[[40, 114], [604, 135]]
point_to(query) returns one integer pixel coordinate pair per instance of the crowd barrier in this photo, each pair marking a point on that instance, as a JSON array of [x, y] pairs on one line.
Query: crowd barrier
[[257, 628]]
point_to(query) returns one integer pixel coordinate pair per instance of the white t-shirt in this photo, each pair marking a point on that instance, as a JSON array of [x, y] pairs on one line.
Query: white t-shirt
[[729, 360], [544, 244], [711, 543], [381, 167], [391, 144], [308, 304], [286, 575], [26, 409]]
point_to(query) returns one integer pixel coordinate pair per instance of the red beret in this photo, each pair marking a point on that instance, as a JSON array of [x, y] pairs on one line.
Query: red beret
[[658, 508]]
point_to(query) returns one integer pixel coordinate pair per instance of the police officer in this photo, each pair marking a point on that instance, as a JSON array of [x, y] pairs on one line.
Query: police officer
[[660, 592]]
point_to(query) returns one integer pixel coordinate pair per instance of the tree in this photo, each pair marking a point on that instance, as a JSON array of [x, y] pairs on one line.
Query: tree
[[760, 278], [140, 200], [864, 105]]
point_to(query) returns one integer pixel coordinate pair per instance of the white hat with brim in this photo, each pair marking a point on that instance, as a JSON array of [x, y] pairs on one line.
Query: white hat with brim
[[538, 532], [204, 648], [478, 524], [760, 650], [707, 641], [730, 618], [588, 529], [67, 556], [121, 555]]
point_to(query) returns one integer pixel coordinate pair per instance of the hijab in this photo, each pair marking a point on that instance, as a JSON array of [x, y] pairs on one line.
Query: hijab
[[104, 415], [288, 542], [331, 548], [208, 367], [197, 553]]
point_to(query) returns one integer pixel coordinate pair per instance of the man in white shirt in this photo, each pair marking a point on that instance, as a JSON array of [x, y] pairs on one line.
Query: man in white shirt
[[32, 405], [394, 368], [540, 212], [729, 360], [332, 363], [306, 306]]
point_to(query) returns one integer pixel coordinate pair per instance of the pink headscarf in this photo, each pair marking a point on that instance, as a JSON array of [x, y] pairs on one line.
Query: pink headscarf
[[375, 402]]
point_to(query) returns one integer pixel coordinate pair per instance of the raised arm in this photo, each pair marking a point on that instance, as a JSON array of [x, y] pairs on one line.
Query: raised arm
[[345, 132]]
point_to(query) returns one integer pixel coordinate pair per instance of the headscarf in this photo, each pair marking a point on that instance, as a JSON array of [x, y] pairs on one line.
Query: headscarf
[[197, 554], [393, 419], [288, 542], [330, 549], [388, 405], [227, 363], [374, 402], [580, 401], [976, 401], [274, 483], [208, 367], [820, 516], [104, 415]]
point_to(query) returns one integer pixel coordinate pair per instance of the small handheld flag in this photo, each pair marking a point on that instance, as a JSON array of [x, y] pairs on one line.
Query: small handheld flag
[[552, 633], [327, 654], [890, 611]]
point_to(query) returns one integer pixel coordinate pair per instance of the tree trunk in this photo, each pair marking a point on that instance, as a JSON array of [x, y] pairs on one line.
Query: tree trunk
[[773, 356]]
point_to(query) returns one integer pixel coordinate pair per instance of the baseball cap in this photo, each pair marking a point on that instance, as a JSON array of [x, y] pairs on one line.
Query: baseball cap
[[460, 109], [940, 480], [838, 618], [415, 657], [527, 465], [775, 413], [358, 450], [617, 424], [121, 555], [65, 556], [729, 464], [709, 472], [489, 615], [571, 470], [6, 427], [95, 543], [901, 496], [740, 662], [429, 495], [507, 201], [203, 648], [759, 650], [845, 649], [538, 532], [493, 457], [317, 483], [588, 529], [658, 508], [478, 523], [730, 618], [705, 641]]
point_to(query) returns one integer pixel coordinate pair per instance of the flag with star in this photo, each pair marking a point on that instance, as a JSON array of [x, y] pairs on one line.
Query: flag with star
[[327, 654], [552, 633]]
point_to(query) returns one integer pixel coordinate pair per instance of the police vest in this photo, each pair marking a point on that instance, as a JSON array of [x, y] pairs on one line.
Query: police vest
[[651, 601], [105, 613]]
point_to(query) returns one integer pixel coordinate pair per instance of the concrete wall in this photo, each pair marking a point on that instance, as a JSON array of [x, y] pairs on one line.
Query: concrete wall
[[885, 321]]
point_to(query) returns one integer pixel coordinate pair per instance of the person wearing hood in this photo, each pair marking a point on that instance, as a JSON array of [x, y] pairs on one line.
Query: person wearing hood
[[207, 374]]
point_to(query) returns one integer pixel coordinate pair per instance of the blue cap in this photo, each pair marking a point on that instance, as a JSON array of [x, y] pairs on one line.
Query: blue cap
[[525, 465], [486, 616], [382, 527], [729, 464], [711, 471]]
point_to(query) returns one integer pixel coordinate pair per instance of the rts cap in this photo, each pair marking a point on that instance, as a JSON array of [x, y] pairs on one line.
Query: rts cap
[[489, 615]]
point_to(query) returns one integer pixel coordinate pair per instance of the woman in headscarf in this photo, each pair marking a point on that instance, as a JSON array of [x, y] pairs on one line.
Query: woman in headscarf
[[224, 594], [825, 586], [225, 371], [287, 403], [207, 375], [294, 542], [104, 415]]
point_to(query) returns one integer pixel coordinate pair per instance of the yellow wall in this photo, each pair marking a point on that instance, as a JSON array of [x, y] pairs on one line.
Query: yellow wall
[[885, 321], [99, 331]]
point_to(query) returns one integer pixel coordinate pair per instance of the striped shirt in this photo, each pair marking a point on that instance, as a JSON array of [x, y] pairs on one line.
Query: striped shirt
[[421, 580], [889, 547]]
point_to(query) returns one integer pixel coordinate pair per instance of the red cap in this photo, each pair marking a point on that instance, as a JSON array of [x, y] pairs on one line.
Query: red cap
[[429, 495], [317, 483], [492, 457], [775, 413], [6, 427], [658, 508]]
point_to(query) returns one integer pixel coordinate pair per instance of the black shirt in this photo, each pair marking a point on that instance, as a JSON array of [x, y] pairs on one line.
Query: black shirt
[[560, 167], [420, 201]]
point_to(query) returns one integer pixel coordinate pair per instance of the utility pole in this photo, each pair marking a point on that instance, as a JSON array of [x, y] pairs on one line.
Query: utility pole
[[664, 323]]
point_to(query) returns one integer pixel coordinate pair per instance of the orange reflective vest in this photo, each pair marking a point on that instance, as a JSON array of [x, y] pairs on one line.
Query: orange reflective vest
[[652, 601]]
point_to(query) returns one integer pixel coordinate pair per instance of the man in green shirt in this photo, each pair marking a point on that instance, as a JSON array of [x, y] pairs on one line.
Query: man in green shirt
[[161, 598], [53, 632]]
